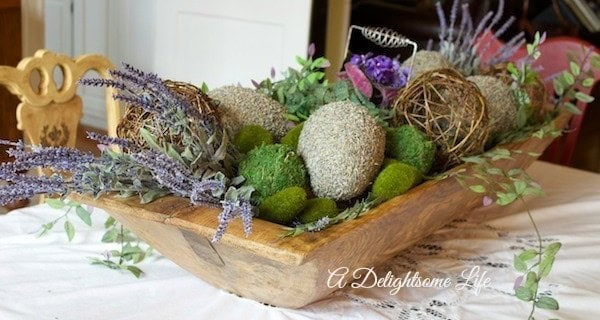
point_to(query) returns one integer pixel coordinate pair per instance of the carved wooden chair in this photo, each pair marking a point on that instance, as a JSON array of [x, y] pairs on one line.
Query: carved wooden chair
[[49, 114]]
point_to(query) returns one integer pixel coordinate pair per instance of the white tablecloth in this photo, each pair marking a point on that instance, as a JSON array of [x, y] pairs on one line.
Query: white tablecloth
[[49, 278]]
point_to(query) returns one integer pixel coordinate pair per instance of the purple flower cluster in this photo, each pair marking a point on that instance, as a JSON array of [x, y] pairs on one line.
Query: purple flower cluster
[[382, 70], [232, 209]]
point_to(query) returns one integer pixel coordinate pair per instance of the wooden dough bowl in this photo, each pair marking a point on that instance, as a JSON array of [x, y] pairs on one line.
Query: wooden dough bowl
[[293, 272]]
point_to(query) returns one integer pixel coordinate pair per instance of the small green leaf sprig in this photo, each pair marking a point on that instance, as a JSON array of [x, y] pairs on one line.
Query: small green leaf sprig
[[357, 210], [523, 75], [68, 206], [508, 186], [131, 249], [580, 75], [302, 90]]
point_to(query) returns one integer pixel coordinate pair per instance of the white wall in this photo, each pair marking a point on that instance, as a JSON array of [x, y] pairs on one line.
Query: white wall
[[218, 42]]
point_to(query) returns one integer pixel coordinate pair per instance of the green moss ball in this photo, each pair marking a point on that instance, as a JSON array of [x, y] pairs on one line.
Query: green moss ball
[[272, 168], [291, 138], [409, 145], [388, 161], [283, 206], [318, 208], [250, 137], [394, 180]]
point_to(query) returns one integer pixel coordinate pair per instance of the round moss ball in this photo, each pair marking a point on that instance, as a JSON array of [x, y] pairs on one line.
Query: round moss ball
[[283, 206], [244, 106], [424, 61], [291, 138], [272, 168], [501, 107], [394, 180], [318, 208], [388, 161], [409, 145], [343, 148], [250, 137]]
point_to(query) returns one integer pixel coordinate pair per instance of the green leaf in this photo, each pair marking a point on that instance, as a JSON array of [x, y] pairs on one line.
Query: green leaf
[[548, 303], [546, 266], [528, 254], [505, 198], [552, 249], [84, 215], [588, 82], [477, 188], [520, 186], [568, 78], [494, 171], [531, 281], [110, 236], [533, 191], [595, 61], [575, 69], [70, 230], [55, 203], [137, 272], [519, 264], [583, 97], [152, 195], [474, 159], [109, 222], [524, 294], [150, 139], [300, 60], [572, 108], [559, 89]]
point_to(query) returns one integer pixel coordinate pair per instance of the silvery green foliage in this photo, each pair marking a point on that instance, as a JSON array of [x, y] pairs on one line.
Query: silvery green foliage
[[460, 45]]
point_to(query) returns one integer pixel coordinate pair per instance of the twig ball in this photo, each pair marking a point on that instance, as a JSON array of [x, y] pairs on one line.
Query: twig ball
[[343, 148], [243, 106], [501, 107], [450, 110]]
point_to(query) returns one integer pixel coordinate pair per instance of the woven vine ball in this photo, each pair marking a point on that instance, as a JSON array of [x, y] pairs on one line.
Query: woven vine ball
[[501, 107], [450, 110], [243, 106], [426, 60], [343, 148], [136, 118]]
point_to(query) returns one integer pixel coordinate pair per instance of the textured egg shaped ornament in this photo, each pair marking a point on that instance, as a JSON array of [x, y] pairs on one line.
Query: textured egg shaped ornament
[[343, 149], [243, 106]]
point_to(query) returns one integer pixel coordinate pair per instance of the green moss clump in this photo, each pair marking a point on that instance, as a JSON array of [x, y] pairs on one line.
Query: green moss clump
[[394, 180], [291, 138], [283, 206], [318, 208], [250, 137], [409, 145], [272, 168], [388, 161]]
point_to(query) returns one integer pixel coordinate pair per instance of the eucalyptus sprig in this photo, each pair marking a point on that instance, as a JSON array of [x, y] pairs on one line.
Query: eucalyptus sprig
[[130, 251], [508, 186], [358, 209], [568, 82], [68, 206]]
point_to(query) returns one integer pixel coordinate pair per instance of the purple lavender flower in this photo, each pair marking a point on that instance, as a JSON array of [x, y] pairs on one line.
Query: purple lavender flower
[[107, 141], [382, 70], [232, 209]]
